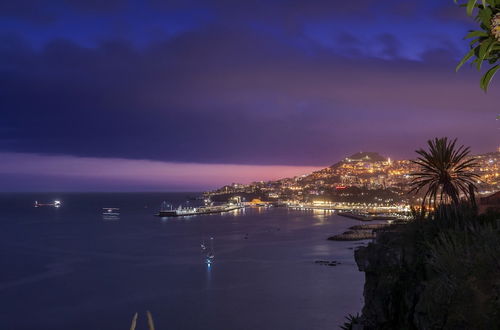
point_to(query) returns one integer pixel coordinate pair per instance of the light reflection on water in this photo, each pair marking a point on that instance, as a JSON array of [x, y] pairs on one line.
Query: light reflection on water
[[209, 274]]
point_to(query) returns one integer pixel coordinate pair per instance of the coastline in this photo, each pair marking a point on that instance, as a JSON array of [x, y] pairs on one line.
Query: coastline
[[366, 216]]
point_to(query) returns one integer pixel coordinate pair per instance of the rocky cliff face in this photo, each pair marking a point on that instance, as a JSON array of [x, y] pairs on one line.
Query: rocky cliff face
[[394, 282], [413, 281]]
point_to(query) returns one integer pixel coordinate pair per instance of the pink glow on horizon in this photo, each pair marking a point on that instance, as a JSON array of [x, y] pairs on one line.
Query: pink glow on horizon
[[71, 173]]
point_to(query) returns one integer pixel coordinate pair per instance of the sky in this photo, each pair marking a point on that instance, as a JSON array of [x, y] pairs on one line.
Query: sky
[[190, 95]]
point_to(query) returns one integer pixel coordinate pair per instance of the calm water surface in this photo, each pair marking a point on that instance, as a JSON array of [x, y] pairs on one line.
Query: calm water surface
[[68, 268]]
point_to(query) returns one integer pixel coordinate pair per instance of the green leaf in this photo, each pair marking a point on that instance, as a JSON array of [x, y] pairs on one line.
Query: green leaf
[[484, 50], [486, 79], [476, 34], [470, 6], [475, 41], [485, 16], [465, 59]]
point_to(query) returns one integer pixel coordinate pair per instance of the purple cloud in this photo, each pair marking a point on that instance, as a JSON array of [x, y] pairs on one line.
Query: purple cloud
[[29, 172]]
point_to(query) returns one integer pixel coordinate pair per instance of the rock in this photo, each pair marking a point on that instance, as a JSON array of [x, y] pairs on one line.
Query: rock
[[326, 262], [391, 289]]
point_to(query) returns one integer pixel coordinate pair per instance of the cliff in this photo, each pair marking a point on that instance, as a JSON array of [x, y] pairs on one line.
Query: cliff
[[392, 283], [430, 276]]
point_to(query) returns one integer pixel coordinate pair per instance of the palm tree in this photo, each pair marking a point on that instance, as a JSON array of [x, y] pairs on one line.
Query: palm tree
[[445, 172]]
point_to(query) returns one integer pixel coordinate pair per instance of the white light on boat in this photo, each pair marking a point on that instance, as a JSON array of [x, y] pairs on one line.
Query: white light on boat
[[57, 203]]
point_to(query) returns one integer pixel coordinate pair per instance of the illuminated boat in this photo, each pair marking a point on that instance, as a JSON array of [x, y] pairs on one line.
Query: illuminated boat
[[211, 254], [111, 213], [56, 204]]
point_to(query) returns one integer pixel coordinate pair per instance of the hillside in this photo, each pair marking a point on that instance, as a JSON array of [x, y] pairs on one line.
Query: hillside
[[365, 156], [360, 177]]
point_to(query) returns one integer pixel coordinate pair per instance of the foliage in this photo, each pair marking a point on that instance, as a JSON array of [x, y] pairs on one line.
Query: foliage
[[151, 325], [444, 173], [463, 268], [439, 272], [350, 321], [485, 43], [134, 322]]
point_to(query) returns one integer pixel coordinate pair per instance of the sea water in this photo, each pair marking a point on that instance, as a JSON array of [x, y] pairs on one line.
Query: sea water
[[70, 268]]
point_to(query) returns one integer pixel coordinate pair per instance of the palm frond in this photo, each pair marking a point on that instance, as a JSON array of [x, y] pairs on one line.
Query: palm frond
[[445, 173]]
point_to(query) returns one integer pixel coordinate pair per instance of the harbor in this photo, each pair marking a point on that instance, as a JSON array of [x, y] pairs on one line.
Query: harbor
[[358, 211], [166, 210]]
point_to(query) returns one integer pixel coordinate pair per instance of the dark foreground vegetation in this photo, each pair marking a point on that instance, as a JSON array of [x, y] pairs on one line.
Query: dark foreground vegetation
[[439, 272], [442, 270]]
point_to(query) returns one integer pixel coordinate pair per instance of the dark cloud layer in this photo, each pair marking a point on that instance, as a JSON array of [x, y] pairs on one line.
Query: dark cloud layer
[[248, 87], [47, 12]]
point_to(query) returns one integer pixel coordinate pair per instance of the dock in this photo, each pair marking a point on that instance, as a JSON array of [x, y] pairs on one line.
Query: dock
[[367, 216], [180, 212]]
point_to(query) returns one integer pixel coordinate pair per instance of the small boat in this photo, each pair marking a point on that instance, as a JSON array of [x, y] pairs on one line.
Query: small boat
[[55, 204], [111, 213], [211, 254]]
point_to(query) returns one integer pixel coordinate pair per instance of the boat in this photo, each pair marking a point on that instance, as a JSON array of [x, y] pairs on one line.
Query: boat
[[111, 213], [55, 204], [211, 254], [166, 210], [210, 258]]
